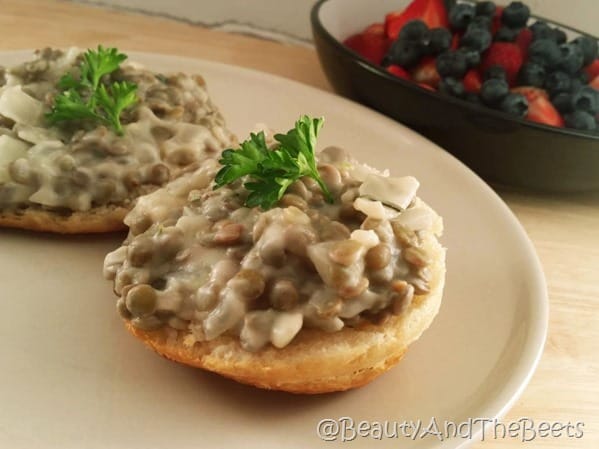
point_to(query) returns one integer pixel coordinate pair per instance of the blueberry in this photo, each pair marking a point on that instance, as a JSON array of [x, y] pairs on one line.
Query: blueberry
[[461, 15], [482, 22], [559, 36], [440, 40], [415, 31], [515, 15], [452, 63], [476, 38], [586, 99], [532, 74], [449, 4], [506, 34], [452, 86], [545, 52], [495, 72], [404, 53], [493, 91], [563, 102], [472, 56], [485, 9], [582, 76], [576, 84], [588, 45], [571, 59], [557, 82], [514, 104], [580, 120], [540, 30]]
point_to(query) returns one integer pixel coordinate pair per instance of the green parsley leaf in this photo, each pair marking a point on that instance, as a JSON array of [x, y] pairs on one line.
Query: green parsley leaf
[[69, 104], [244, 161], [68, 82], [89, 97], [114, 100], [100, 63], [270, 172]]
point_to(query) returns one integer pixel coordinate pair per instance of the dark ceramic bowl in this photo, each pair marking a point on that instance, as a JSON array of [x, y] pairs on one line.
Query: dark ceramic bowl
[[502, 149]]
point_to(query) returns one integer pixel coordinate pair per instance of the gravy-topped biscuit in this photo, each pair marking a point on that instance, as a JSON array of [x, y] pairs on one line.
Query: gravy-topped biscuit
[[74, 158], [321, 288]]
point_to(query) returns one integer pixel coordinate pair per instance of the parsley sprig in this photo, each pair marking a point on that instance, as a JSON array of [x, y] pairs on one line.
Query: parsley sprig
[[89, 97], [270, 172]]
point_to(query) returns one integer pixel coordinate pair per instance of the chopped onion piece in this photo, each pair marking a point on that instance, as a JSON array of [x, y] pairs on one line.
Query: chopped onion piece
[[286, 326], [20, 107], [417, 218], [362, 171], [371, 208], [10, 150], [319, 255], [35, 134], [394, 192], [367, 238], [47, 197], [225, 315], [82, 202], [255, 332]]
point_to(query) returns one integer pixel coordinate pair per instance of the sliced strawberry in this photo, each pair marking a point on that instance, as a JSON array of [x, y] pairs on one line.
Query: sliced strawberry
[[399, 71], [376, 28], [505, 54], [472, 81], [496, 24], [540, 109], [431, 12], [371, 43], [426, 72], [531, 93], [435, 15], [595, 83], [524, 40], [455, 41], [593, 69], [397, 19]]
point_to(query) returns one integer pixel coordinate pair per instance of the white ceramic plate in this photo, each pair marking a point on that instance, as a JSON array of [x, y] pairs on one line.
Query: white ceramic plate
[[71, 376]]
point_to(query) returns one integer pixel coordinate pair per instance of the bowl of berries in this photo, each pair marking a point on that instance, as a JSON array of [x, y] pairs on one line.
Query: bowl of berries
[[514, 96]]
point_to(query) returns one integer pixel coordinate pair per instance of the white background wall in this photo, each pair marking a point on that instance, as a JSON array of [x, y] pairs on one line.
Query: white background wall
[[291, 17]]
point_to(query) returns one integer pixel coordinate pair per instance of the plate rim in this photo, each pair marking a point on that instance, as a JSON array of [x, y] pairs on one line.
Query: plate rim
[[529, 360]]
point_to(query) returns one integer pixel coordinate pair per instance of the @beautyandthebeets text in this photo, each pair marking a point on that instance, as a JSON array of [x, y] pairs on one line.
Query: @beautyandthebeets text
[[346, 428]]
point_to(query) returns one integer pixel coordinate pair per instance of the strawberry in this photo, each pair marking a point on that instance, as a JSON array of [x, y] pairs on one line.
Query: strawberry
[[431, 12], [592, 69], [472, 81], [496, 24], [531, 93], [399, 71], [540, 109], [524, 40], [595, 83], [371, 43], [377, 28], [455, 41], [505, 54], [426, 73]]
